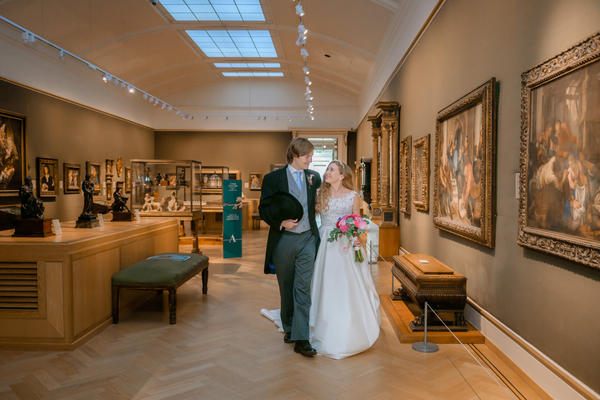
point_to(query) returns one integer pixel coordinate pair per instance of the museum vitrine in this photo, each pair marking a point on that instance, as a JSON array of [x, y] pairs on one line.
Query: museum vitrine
[[166, 187]]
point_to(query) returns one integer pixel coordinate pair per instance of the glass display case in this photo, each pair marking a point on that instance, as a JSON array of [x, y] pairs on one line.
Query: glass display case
[[165, 188], [212, 198]]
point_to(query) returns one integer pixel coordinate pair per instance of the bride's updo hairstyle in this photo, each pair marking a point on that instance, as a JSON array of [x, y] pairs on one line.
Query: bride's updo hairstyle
[[325, 190]]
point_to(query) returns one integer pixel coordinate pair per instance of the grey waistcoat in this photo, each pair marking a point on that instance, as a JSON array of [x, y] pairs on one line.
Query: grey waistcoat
[[301, 195]]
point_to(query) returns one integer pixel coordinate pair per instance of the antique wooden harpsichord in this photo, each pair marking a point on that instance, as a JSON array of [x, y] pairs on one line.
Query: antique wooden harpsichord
[[424, 278]]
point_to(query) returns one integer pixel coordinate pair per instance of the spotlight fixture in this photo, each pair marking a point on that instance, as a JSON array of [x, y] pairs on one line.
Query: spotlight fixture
[[106, 78], [299, 10], [301, 40], [61, 54], [302, 30], [307, 80], [303, 53], [131, 90], [306, 71]]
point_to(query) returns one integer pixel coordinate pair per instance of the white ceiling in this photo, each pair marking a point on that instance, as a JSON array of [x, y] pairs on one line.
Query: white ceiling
[[141, 44]]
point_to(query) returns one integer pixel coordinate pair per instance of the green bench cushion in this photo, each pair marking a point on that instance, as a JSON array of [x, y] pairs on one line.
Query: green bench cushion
[[160, 270]]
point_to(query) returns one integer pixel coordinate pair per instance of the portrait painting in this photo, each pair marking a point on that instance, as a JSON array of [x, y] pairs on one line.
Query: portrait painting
[[420, 174], [71, 177], [13, 161], [127, 174], [109, 165], [560, 155], [464, 172], [47, 176], [93, 170], [255, 181], [404, 182]]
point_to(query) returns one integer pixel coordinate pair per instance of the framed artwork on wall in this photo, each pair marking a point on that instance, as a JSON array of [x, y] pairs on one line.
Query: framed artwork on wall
[[420, 173], [109, 188], [255, 181], [72, 178], [464, 170], [405, 166], [127, 180], [13, 162], [559, 186], [119, 168], [93, 170], [47, 177], [109, 164]]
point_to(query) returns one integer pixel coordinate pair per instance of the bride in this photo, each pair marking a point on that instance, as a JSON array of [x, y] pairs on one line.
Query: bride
[[344, 314]]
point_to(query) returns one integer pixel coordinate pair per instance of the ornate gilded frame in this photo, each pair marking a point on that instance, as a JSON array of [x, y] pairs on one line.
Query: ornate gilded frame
[[405, 175], [484, 234], [422, 165], [581, 250]]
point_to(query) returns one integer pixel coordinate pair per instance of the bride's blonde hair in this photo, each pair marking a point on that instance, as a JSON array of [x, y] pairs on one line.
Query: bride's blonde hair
[[325, 191]]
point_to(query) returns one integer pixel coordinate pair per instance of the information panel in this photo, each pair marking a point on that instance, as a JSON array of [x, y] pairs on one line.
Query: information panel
[[232, 218]]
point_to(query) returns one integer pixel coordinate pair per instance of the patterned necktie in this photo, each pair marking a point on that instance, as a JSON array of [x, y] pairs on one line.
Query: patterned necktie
[[299, 179]]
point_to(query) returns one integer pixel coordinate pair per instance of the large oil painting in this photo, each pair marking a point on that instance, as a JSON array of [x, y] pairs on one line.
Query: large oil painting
[[560, 155], [464, 166], [12, 153]]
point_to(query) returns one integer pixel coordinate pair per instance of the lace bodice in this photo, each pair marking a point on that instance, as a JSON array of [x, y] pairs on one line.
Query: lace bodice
[[338, 207]]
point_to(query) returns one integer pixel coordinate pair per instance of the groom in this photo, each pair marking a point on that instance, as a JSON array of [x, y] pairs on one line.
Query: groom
[[292, 243]]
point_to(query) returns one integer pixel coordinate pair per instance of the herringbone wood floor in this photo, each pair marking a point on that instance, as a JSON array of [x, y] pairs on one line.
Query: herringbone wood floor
[[221, 348]]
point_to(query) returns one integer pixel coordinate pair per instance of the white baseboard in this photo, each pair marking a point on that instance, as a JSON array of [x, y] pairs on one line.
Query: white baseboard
[[551, 377]]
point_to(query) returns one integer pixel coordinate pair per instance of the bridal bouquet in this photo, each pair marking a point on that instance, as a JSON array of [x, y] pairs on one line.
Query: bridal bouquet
[[350, 226]]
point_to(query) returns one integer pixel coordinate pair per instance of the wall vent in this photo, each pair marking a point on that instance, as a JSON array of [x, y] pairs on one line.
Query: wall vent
[[18, 286]]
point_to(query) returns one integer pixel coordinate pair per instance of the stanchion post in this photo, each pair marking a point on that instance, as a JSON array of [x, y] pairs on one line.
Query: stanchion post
[[425, 347]]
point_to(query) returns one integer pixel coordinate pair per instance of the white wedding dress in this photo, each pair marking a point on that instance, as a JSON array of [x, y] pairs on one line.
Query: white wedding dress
[[344, 315]]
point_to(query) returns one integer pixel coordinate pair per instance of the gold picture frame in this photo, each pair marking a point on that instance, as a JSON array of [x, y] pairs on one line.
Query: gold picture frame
[[404, 185], [465, 167], [420, 173], [47, 177], [559, 187]]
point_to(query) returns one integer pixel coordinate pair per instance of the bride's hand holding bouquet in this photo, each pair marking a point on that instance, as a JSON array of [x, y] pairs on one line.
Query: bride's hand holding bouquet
[[352, 227]]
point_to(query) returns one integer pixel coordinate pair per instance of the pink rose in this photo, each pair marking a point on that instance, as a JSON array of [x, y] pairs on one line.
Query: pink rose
[[344, 228], [362, 224]]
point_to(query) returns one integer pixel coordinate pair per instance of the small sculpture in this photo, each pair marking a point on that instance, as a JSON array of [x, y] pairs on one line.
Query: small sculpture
[[32, 222], [87, 219], [120, 202], [87, 186], [173, 204], [31, 207], [150, 204], [119, 207]]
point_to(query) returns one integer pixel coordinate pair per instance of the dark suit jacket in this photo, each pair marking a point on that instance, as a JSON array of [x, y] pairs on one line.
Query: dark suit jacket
[[277, 181]]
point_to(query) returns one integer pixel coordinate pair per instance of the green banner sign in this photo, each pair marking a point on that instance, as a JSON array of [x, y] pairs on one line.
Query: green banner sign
[[232, 218]]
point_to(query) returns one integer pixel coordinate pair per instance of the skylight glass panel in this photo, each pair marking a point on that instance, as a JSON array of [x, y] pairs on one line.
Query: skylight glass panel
[[214, 10], [253, 74], [234, 43], [247, 65]]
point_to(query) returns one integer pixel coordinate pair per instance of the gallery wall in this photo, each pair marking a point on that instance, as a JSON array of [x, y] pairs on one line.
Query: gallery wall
[[242, 151], [70, 133], [549, 301]]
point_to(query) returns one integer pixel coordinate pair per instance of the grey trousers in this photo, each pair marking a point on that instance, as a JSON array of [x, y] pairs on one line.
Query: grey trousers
[[294, 260]]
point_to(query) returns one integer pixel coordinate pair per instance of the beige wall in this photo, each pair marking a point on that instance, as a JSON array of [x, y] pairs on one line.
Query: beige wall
[[72, 134], [243, 151], [551, 302]]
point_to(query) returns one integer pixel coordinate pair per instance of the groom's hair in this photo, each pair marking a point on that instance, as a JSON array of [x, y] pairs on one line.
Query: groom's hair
[[298, 147]]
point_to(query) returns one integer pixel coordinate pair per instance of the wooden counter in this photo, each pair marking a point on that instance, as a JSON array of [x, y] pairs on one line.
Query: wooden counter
[[72, 274]]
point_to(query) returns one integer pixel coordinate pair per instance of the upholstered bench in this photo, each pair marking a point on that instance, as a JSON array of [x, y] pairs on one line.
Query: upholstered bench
[[165, 271]]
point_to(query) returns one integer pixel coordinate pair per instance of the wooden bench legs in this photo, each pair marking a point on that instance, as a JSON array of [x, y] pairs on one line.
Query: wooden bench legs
[[115, 303], [204, 280]]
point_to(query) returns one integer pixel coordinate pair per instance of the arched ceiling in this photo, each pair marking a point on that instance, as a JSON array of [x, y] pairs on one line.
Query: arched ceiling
[[143, 45]]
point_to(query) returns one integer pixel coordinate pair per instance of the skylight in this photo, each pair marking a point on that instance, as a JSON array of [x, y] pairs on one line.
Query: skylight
[[259, 74], [214, 10], [234, 43], [247, 65]]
